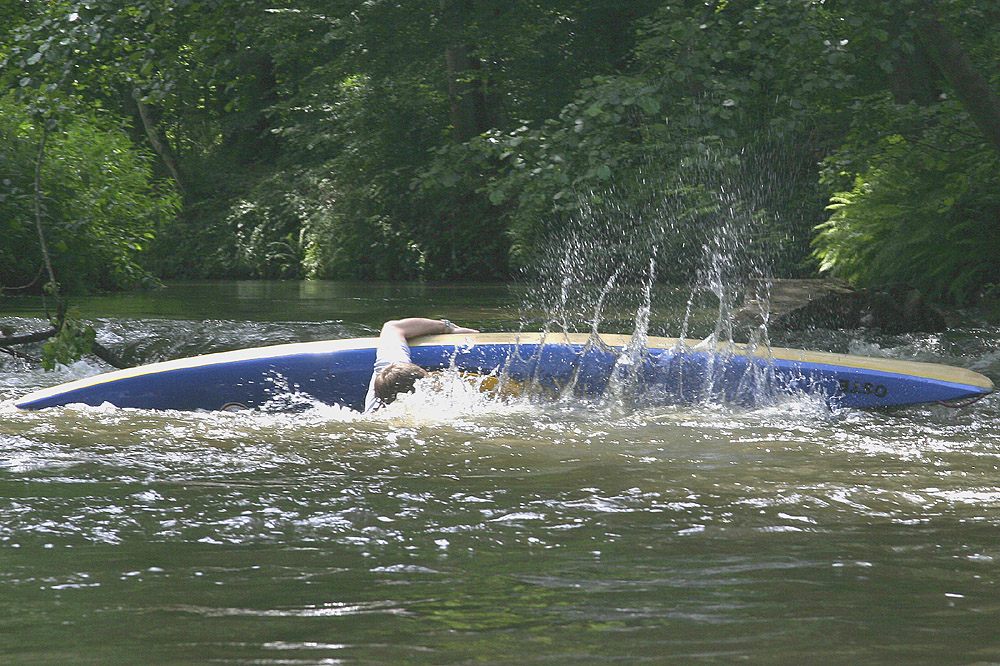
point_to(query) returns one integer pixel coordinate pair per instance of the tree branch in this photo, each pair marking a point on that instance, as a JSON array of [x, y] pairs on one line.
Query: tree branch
[[969, 85], [108, 356], [38, 206], [17, 354], [161, 150], [28, 338]]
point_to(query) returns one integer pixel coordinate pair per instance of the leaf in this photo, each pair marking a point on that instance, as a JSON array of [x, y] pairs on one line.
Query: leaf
[[649, 105]]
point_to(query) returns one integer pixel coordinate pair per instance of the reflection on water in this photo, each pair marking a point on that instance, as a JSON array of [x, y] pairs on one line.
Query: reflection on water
[[299, 301], [457, 527]]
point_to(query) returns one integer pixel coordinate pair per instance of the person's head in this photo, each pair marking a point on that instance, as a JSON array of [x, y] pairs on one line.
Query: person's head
[[397, 378]]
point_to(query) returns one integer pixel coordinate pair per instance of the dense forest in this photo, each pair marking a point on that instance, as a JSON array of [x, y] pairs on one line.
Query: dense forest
[[448, 139]]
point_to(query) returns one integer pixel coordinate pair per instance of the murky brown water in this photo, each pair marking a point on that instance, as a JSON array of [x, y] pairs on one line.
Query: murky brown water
[[475, 531]]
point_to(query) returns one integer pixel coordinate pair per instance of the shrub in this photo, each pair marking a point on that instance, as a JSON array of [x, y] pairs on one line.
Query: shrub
[[921, 207], [99, 203]]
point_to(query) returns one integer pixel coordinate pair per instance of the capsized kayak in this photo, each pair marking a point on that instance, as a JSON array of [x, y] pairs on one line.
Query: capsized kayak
[[663, 370]]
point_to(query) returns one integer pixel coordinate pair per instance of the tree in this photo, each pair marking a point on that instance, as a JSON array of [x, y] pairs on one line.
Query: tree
[[711, 99], [962, 75], [79, 202], [184, 71], [360, 128], [915, 182], [452, 138]]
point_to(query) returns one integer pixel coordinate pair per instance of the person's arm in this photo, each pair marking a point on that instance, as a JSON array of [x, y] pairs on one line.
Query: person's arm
[[401, 330]]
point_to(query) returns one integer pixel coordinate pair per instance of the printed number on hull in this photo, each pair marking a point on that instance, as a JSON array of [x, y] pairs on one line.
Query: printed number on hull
[[863, 388]]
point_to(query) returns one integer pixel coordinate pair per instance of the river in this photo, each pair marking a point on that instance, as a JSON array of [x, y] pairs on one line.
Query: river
[[487, 532]]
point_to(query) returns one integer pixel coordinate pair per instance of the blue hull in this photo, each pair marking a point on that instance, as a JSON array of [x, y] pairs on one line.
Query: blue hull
[[338, 372]]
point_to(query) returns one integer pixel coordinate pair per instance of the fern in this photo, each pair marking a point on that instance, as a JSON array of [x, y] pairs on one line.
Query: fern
[[923, 210]]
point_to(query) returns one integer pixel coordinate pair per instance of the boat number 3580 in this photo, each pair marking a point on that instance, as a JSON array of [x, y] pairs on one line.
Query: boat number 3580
[[864, 388]]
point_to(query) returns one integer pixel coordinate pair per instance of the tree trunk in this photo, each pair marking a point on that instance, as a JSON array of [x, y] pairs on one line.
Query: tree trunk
[[38, 210], [469, 115], [159, 147], [915, 78], [969, 85]]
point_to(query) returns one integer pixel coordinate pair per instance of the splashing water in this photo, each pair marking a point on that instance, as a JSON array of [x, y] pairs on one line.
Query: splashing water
[[608, 261]]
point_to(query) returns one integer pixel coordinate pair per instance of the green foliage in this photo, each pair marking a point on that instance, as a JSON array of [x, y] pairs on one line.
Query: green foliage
[[340, 195], [73, 341], [455, 140], [99, 204], [349, 239], [914, 184], [740, 99], [194, 66], [362, 104], [923, 207]]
